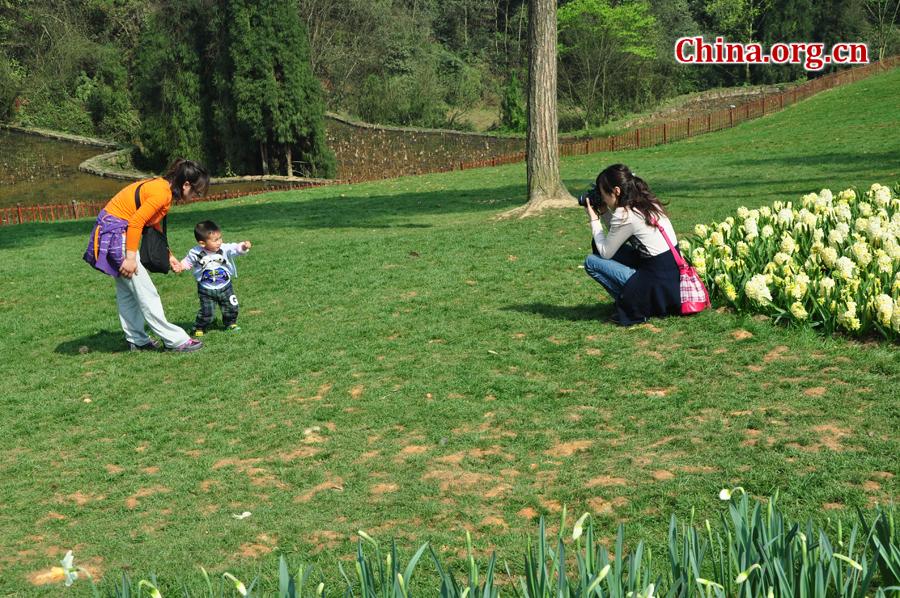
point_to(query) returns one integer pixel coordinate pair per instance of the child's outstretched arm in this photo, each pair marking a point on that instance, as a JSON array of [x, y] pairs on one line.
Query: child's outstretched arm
[[244, 246]]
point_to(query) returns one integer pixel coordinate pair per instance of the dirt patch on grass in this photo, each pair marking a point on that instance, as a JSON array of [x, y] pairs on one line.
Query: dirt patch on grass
[[606, 481], [552, 505], [81, 498], [458, 481], [132, 501], [492, 521], [777, 354], [567, 449], [335, 484], [829, 438], [409, 451], [301, 453], [324, 539], [206, 485], [252, 550], [498, 491]]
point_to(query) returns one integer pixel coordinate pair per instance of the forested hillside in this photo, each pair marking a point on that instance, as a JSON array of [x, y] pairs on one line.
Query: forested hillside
[[202, 77]]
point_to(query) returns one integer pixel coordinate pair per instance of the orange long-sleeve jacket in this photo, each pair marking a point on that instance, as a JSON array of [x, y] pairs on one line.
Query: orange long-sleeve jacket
[[156, 201]]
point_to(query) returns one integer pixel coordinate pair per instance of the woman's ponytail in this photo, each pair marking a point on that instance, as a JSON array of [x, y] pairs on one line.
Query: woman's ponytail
[[634, 192]]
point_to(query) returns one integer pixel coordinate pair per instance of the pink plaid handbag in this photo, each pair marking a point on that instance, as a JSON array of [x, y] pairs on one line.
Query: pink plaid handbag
[[694, 297]]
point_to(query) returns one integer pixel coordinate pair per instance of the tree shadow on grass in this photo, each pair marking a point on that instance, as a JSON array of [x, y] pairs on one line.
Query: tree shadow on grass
[[296, 211], [103, 341], [599, 312]]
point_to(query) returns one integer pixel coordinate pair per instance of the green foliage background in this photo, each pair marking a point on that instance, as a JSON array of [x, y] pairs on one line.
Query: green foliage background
[[180, 78]]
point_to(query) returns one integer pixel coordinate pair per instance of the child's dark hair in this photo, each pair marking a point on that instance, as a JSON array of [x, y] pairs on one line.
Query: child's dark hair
[[204, 229], [187, 171], [634, 192]]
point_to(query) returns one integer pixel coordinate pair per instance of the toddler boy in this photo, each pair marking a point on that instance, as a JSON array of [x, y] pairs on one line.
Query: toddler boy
[[213, 269]]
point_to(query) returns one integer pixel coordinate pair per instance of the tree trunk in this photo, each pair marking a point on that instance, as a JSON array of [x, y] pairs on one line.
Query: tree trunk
[[287, 157], [545, 187], [265, 157]]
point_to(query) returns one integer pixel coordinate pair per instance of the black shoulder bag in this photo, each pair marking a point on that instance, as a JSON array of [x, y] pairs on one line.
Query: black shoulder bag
[[154, 244]]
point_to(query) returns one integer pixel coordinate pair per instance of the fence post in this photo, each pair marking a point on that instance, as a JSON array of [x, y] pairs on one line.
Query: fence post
[[74, 210], [19, 206]]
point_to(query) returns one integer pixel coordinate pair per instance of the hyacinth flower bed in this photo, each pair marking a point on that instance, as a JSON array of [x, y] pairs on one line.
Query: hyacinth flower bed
[[831, 263], [754, 551]]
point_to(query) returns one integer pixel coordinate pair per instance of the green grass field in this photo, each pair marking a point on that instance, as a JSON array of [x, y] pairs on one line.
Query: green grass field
[[411, 367]]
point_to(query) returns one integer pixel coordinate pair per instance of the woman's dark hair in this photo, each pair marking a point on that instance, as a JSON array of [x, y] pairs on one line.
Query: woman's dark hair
[[189, 171], [634, 193]]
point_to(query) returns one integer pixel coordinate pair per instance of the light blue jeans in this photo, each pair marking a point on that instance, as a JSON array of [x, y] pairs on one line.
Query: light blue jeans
[[613, 273]]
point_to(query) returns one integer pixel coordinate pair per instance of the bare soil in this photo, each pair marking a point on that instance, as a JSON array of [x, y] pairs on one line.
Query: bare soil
[[707, 102], [680, 108]]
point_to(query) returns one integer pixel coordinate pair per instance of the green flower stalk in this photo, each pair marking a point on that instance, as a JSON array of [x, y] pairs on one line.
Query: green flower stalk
[[847, 559]]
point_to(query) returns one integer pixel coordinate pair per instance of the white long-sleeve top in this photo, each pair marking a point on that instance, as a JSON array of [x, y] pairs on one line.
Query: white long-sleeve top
[[625, 225]]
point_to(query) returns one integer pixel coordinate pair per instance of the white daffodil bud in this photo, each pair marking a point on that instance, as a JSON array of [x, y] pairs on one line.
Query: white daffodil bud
[[238, 585], [579, 529]]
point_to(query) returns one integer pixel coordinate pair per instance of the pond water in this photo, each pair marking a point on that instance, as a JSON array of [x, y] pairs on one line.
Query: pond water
[[36, 170]]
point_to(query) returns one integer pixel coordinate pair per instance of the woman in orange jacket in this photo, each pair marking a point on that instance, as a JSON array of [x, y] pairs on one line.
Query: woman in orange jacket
[[114, 249]]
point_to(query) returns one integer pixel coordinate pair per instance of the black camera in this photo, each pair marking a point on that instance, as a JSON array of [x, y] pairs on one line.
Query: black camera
[[592, 196]]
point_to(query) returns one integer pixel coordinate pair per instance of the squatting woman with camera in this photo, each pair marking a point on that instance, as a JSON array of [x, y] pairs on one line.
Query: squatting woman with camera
[[632, 261]]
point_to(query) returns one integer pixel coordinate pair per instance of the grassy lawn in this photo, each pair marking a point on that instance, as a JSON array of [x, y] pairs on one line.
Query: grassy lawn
[[412, 368]]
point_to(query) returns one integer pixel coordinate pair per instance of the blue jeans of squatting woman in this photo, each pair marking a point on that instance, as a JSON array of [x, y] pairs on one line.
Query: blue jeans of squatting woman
[[613, 273]]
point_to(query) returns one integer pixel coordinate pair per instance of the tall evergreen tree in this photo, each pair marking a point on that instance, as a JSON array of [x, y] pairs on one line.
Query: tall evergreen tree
[[167, 80], [276, 98]]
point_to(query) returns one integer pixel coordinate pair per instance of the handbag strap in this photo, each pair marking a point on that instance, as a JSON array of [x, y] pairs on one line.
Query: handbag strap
[[137, 203], [678, 259]]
